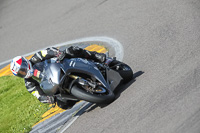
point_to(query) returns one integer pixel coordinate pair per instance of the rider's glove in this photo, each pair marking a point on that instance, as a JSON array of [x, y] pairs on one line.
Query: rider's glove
[[51, 99], [61, 55]]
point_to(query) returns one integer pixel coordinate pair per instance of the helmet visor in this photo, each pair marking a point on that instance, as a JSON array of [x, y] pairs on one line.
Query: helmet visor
[[23, 69]]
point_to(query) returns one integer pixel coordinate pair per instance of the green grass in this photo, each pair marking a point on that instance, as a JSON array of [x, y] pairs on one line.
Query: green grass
[[19, 110]]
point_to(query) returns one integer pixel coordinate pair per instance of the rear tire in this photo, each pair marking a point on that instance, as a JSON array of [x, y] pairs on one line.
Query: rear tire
[[82, 94], [124, 70]]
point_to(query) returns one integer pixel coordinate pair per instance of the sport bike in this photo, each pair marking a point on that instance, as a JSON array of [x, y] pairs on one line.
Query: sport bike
[[82, 79]]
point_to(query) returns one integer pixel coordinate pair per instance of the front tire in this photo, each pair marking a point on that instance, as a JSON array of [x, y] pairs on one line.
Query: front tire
[[82, 94]]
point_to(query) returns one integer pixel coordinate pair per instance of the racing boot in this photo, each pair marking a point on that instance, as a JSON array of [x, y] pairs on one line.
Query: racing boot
[[76, 52], [79, 52], [99, 57]]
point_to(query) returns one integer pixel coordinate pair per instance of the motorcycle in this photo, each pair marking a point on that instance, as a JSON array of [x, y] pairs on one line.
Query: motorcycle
[[81, 79]]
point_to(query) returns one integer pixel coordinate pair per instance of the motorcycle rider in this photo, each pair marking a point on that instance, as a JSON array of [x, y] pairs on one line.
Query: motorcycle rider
[[26, 69]]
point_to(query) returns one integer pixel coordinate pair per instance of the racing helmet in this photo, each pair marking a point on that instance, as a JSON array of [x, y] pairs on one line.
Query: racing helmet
[[21, 67]]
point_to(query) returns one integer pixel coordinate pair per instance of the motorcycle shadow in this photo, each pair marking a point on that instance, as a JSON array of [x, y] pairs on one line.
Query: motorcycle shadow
[[118, 90], [122, 87]]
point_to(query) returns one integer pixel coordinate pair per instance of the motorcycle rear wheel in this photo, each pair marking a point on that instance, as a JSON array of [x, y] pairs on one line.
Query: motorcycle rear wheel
[[124, 70]]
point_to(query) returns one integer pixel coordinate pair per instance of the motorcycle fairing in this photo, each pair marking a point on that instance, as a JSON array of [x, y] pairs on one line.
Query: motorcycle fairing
[[51, 82], [83, 66]]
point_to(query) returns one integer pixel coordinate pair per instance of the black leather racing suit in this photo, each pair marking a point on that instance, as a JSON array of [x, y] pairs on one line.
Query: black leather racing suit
[[33, 86]]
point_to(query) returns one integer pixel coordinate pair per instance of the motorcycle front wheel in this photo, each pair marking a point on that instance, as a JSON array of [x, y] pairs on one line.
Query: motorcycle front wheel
[[82, 94]]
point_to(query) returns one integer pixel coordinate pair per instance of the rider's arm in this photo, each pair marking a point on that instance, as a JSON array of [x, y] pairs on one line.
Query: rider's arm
[[33, 87]]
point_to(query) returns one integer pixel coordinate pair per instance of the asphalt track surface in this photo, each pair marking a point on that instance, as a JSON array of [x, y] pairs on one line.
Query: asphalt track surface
[[160, 38]]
